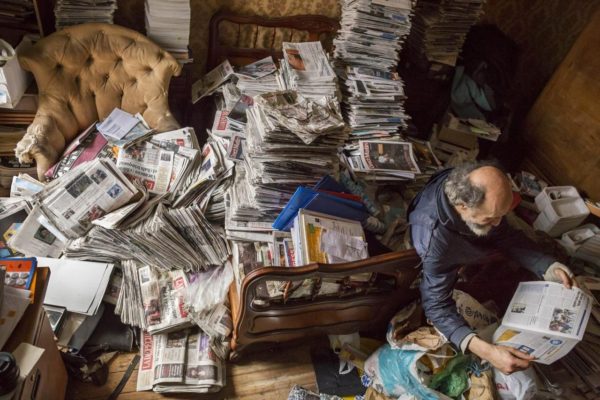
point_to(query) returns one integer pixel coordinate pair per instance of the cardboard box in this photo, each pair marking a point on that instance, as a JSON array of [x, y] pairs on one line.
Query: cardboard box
[[13, 79]]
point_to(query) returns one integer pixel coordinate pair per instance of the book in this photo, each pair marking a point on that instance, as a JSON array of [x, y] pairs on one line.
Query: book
[[545, 320]]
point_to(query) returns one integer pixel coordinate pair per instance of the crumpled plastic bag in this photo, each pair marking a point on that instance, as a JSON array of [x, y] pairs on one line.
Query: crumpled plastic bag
[[453, 380], [519, 385], [404, 321], [395, 374], [208, 289]]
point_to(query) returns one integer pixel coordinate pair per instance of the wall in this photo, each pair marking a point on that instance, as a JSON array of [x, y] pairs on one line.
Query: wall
[[131, 14], [545, 30], [562, 130]]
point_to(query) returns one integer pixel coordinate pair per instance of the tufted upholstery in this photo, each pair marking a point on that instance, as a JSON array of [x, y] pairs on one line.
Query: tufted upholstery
[[85, 71]]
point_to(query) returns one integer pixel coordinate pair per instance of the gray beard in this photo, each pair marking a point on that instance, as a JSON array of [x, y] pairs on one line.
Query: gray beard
[[479, 230]]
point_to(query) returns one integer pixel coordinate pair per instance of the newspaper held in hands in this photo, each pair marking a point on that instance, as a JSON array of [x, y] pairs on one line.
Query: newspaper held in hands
[[545, 320], [211, 81]]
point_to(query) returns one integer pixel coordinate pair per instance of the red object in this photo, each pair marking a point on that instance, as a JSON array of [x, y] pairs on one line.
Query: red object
[[516, 200]]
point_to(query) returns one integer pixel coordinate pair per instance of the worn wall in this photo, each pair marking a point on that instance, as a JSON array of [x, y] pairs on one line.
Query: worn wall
[[545, 30], [562, 130]]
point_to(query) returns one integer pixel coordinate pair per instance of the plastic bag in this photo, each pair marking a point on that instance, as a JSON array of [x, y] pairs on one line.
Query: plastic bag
[[453, 380], [519, 385], [395, 374], [208, 289]]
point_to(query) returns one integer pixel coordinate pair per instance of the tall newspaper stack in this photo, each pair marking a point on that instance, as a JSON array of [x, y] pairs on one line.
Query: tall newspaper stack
[[306, 68], [440, 28], [75, 12], [366, 54], [291, 141], [168, 24]]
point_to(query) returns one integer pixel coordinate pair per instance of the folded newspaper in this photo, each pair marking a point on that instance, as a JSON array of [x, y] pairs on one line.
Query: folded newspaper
[[545, 320], [179, 362]]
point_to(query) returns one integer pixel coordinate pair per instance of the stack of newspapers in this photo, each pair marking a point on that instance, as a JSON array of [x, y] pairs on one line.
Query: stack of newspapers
[[168, 24], [366, 55], [382, 160], [75, 12], [441, 26], [291, 140], [259, 77], [306, 68]]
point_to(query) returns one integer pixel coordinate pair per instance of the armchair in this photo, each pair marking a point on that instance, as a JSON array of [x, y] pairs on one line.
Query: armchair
[[85, 71]]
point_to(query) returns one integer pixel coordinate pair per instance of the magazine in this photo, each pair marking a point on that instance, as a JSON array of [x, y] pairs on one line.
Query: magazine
[[545, 320]]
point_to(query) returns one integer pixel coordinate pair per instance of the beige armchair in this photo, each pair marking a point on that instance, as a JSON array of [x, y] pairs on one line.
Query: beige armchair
[[83, 73]]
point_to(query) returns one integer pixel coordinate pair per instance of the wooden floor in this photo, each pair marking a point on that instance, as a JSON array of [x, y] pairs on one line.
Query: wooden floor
[[259, 375]]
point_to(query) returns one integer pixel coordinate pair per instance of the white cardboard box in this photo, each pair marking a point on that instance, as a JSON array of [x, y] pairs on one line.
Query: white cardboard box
[[14, 80]]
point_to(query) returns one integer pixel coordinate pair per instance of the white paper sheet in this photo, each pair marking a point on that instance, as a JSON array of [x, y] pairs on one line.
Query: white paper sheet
[[76, 285]]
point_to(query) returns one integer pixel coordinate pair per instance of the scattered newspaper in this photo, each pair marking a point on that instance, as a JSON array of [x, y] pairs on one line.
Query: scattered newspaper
[[179, 362], [211, 81], [86, 193], [545, 320]]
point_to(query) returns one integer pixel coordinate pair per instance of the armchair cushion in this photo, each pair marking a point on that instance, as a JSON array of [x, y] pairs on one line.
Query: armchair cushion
[[85, 71]]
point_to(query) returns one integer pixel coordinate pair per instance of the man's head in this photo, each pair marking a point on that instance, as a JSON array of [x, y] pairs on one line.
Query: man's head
[[481, 194]]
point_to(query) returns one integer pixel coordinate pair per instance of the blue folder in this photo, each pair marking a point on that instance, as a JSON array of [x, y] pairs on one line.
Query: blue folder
[[325, 203]]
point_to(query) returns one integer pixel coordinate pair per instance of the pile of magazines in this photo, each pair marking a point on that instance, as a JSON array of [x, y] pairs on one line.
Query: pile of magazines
[[382, 160], [75, 12], [367, 51], [306, 68], [440, 28]]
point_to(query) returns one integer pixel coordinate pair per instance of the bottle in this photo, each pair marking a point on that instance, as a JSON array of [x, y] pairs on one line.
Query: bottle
[[9, 375]]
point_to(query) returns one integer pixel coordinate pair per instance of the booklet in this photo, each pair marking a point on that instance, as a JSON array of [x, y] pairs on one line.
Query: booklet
[[545, 320]]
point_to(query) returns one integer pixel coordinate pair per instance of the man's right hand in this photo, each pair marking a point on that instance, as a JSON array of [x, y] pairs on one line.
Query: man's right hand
[[504, 358]]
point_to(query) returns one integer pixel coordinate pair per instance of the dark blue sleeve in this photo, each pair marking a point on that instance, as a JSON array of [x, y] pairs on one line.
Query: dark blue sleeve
[[437, 285], [515, 244]]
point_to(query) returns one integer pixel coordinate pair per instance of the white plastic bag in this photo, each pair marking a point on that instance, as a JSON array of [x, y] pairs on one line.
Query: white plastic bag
[[519, 385]]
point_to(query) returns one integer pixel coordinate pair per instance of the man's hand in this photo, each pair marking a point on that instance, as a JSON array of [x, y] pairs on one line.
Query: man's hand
[[566, 280], [506, 359]]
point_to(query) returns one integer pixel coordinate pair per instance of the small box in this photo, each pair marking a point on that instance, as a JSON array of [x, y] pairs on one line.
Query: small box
[[14, 80]]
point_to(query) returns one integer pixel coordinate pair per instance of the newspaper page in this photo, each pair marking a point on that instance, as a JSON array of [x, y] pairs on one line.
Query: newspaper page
[[146, 369], [83, 195], [35, 239], [545, 320], [151, 165], [308, 60], [204, 368], [211, 81], [163, 299], [388, 156], [169, 357], [117, 124]]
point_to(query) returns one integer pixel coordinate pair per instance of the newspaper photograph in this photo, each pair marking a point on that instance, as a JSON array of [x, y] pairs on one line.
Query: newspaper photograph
[[258, 69], [34, 239], [211, 81], [382, 155], [307, 59], [545, 319]]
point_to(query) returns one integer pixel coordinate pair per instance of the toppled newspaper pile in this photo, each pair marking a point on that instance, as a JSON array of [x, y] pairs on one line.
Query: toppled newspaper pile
[[366, 54]]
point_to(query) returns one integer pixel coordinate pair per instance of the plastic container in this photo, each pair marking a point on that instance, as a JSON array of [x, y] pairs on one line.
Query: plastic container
[[561, 215], [552, 193]]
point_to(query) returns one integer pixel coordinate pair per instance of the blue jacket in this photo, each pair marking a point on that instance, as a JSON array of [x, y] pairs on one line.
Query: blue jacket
[[443, 241]]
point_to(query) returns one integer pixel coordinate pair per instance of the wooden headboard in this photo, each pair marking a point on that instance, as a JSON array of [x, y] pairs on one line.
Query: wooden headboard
[[244, 39]]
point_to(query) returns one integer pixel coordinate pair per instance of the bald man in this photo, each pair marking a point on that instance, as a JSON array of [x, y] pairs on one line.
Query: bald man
[[457, 219]]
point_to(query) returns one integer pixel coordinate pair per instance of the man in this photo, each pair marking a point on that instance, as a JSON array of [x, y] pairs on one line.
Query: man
[[458, 219]]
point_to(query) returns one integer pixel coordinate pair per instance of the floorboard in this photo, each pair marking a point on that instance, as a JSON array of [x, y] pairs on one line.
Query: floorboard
[[259, 375]]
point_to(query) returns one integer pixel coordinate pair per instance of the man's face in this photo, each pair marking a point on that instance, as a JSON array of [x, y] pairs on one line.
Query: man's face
[[482, 219]]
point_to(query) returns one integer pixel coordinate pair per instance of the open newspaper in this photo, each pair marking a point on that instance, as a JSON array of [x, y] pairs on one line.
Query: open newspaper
[[211, 81], [179, 362], [545, 320]]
